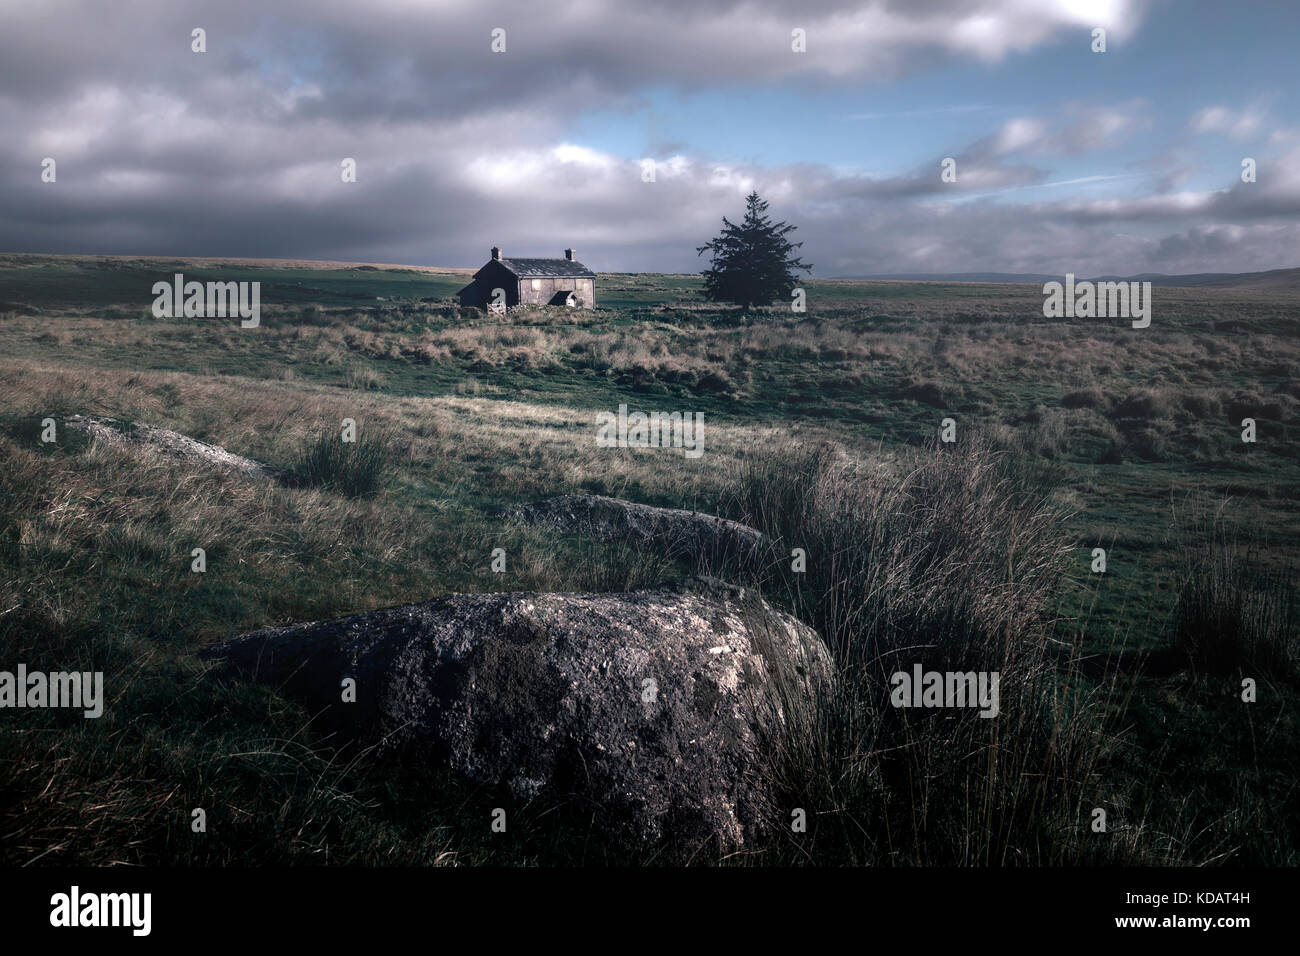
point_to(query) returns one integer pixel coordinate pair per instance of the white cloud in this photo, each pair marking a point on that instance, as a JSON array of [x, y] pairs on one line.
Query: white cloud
[[1018, 134], [1242, 124]]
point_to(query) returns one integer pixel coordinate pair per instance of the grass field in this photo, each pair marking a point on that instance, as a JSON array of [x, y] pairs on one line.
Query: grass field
[[1131, 439]]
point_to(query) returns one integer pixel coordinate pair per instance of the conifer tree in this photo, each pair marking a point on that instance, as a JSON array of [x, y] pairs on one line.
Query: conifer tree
[[752, 263]]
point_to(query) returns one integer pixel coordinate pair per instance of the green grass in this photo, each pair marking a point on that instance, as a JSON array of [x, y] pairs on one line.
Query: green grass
[[1120, 435]]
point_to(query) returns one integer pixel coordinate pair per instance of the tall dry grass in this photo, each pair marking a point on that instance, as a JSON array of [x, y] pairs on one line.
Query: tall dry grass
[[950, 569], [1235, 614]]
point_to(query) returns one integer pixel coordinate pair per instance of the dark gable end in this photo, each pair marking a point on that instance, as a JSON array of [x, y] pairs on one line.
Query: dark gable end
[[496, 267]]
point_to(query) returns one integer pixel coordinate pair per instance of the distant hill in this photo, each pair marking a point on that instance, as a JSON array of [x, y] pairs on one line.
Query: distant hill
[[89, 281], [1280, 280], [954, 277], [1275, 280]]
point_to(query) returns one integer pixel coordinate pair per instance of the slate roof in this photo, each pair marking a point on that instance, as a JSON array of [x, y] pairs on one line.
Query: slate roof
[[538, 268]]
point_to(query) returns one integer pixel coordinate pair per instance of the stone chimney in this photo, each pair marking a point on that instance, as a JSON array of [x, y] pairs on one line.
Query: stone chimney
[[569, 254], [496, 252]]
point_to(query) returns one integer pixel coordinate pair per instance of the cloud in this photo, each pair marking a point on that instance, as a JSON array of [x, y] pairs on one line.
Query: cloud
[[1081, 129], [236, 152], [538, 200], [1242, 124], [1018, 135], [400, 59]]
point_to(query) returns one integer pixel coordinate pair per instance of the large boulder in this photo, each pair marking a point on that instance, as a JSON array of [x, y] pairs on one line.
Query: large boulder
[[657, 707], [674, 532]]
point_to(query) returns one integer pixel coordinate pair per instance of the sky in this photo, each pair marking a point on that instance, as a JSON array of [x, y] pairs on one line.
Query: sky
[[1066, 159]]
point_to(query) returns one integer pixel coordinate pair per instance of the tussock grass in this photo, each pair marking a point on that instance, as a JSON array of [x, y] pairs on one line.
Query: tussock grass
[[1236, 615], [357, 469], [964, 544], [949, 569]]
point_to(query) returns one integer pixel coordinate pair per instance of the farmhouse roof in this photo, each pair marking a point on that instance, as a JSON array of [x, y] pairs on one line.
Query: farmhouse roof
[[537, 268]]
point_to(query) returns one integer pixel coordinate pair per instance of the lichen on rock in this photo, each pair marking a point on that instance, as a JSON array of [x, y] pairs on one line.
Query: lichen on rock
[[651, 706]]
